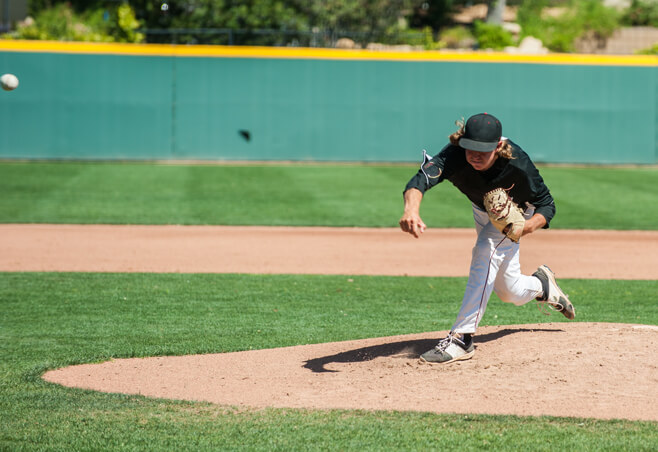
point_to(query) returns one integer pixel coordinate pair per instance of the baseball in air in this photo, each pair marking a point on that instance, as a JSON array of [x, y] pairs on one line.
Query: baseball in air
[[9, 82]]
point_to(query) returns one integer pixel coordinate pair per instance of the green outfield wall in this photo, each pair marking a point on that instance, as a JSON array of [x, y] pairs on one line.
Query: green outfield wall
[[111, 101]]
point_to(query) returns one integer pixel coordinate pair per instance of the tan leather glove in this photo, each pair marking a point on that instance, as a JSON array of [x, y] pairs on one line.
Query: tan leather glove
[[504, 213]]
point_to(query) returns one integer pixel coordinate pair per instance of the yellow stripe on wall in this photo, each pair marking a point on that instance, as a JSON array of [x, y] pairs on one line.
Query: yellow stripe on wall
[[319, 53]]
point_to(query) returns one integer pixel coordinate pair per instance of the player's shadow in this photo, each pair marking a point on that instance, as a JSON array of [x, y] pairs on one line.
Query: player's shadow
[[403, 349]]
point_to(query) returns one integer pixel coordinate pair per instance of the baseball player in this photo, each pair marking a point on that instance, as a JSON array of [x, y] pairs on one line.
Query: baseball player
[[509, 200]]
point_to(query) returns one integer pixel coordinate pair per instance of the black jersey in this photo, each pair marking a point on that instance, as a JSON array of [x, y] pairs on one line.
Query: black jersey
[[518, 174]]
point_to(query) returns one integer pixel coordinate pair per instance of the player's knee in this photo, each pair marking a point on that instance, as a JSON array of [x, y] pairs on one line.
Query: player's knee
[[509, 296]]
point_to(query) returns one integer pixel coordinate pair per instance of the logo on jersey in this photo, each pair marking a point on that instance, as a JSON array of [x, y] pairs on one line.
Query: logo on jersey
[[429, 168]]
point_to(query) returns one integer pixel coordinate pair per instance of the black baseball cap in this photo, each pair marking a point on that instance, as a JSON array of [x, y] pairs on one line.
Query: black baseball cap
[[481, 133]]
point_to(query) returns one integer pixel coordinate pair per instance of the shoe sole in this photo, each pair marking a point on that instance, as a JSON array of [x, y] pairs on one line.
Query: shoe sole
[[568, 313], [463, 357]]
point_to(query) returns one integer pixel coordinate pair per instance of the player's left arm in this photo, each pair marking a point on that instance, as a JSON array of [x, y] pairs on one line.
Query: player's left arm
[[542, 200], [537, 221]]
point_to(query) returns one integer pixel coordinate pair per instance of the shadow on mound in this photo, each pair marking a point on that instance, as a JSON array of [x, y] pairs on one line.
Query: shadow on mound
[[404, 349]]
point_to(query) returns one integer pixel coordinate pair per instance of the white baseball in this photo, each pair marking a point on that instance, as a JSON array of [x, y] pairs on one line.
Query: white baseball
[[9, 82]]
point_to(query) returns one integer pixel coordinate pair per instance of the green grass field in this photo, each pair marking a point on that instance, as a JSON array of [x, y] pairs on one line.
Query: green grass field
[[56, 319], [299, 195]]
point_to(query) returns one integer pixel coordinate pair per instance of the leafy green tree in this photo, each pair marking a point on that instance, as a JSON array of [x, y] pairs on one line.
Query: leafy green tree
[[642, 13], [367, 20], [125, 29], [248, 14], [200, 15], [581, 19], [35, 7], [62, 22], [491, 36], [202, 19]]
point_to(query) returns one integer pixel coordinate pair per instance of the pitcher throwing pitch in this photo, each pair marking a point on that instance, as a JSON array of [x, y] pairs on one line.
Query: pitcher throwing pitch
[[510, 200]]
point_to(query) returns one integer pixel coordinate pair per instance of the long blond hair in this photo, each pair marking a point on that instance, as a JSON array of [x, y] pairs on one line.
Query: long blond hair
[[504, 150]]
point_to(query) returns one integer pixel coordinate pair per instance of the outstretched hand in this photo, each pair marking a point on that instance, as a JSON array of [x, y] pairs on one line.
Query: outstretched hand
[[411, 221], [413, 224]]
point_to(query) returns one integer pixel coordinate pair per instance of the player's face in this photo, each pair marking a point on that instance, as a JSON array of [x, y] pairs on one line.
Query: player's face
[[481, 161]]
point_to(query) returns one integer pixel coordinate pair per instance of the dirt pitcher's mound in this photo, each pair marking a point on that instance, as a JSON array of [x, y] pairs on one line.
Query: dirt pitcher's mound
[[597, 370]]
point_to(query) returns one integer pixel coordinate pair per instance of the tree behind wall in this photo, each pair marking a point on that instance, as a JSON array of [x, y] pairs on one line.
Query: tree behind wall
[[369, 19], [495, 10]]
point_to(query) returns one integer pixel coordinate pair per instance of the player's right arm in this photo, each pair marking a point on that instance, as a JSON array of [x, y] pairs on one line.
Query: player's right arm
[[411, 221], [431, 173]]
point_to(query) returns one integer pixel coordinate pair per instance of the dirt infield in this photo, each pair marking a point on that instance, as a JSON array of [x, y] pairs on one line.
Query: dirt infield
[[564, 369], [347, 251]]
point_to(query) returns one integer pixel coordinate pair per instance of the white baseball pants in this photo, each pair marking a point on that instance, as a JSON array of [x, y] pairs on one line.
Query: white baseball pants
[[495, 267]]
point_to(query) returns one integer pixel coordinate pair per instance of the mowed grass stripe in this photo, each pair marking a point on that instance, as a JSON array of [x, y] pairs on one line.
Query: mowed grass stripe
[[295, 195]]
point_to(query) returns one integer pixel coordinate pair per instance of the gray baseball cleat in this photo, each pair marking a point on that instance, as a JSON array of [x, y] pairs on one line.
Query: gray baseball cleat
[[553, 295], [450, 349]]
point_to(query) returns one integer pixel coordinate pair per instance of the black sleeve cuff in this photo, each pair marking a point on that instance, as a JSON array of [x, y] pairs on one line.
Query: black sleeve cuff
[[548, 212], [419, 182]]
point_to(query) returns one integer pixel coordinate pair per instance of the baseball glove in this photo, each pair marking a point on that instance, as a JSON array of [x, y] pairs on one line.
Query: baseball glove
[[504, 213]]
